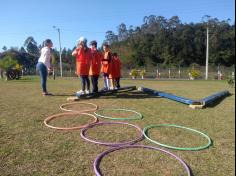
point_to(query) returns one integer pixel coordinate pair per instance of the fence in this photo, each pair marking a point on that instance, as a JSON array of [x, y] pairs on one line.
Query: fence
[[214, 73], [162, 73]]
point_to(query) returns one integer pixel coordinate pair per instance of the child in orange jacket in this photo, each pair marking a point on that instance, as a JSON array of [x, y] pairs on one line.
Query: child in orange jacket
[[105, 70], [83, 58], [95, 66], [115, 74]]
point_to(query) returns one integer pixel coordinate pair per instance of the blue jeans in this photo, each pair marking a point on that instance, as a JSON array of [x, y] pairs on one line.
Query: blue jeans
[[43, 73], [94, 80], [85, 81]]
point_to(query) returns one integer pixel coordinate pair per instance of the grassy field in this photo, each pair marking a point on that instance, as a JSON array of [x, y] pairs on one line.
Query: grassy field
[[27, 147]]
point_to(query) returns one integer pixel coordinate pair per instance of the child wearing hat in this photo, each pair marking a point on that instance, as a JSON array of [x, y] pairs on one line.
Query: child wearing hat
[[83, 58]]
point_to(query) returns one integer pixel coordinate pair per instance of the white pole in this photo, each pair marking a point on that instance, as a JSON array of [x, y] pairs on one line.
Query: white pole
[[59, 36], [169, 73], [207, 54], [60, 50], [218, 72]]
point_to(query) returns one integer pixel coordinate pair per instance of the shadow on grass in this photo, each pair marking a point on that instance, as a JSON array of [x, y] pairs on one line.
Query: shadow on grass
[[124, 95], [63, 95], [191, 172], [24, 79]]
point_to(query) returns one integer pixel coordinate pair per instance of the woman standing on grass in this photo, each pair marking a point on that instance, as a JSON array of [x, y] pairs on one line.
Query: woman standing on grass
[[44, 65], [83, 59]]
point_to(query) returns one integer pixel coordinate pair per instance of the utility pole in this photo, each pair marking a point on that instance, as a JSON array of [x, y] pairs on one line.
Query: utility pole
[[207, 53], [59, 36]]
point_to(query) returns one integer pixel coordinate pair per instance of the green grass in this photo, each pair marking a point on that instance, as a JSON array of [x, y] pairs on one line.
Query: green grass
[[27, 147]]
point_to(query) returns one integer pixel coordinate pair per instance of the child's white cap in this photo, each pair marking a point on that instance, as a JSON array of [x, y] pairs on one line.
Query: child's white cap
[[81, 39]]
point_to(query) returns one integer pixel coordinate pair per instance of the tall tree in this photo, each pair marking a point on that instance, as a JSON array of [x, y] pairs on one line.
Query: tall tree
[[4, 48], [31, 46], [122, 32], [110, 37]]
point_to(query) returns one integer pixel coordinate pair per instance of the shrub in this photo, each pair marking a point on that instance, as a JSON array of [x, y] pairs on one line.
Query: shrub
[[142, 72], [133, 73], [7, 62], [231, 82], [195, 72]]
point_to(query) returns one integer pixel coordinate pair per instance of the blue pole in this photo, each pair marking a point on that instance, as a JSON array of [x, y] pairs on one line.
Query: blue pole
[[210, 99], [169, 96]]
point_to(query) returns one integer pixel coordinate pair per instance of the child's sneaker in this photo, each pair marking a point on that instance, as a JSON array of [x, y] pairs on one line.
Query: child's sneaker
[[104, 89], [80, 92], [46, 94], [87, 92]]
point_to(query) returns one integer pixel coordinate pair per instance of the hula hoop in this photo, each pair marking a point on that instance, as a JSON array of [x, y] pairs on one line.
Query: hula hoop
[[82, 134], [145, 130], [62, 107], [48, 119], [100, 156], [134, 117]]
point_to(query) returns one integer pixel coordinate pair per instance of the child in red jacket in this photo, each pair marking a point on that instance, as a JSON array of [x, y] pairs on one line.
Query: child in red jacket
[[83, 59], [116, 73], [95, 66]]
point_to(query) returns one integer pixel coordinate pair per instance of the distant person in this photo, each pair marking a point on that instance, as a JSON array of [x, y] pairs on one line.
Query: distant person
[[44, 65], [105, 70], [83, 58], [115, 72], [111, 73], [95, 66]]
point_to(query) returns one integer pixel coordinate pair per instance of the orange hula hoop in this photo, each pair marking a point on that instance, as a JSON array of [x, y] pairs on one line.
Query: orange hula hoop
[[48, 119]]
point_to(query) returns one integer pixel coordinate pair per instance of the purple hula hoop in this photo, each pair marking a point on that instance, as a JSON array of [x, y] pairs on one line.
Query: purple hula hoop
[[100, 156], [140, 137]]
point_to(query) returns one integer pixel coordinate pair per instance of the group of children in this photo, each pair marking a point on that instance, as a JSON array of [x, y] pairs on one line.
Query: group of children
[[89, 62]]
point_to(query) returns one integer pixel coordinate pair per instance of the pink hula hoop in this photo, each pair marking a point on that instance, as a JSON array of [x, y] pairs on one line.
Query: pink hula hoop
[[100, 156], [140, 137]]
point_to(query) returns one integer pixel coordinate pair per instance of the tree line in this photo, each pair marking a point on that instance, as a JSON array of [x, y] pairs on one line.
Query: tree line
[[27, 57], [158, 40], [172, 43]]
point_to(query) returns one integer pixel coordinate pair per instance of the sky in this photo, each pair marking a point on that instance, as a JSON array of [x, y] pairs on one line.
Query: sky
[[20, 19]]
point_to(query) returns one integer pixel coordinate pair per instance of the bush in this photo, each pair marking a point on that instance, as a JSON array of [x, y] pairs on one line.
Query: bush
[[142, 72], [195, 72], [11, 67], [133, 73], [7, 62], [231, 82]]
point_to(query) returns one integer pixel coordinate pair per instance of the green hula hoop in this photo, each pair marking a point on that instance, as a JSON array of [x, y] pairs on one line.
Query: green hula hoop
[[145, 130], [133, 117]]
